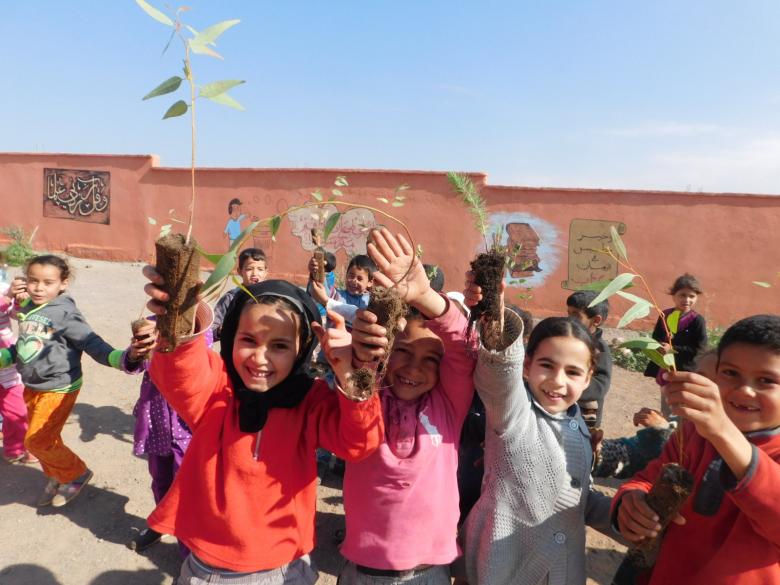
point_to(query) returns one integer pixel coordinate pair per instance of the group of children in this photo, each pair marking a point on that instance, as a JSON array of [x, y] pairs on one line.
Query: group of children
[[252, 417]]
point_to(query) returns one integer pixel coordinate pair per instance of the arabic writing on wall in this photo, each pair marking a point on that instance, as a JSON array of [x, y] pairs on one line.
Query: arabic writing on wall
[[587, 262], [76, 194]]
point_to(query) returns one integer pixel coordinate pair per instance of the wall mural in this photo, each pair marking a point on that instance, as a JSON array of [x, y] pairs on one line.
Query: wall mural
[[538, 255], [587, 237], [350, 233], [75, 194]]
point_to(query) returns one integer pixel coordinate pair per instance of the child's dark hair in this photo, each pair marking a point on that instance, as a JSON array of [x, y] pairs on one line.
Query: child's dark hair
[[363, 262], [561, 327], [435, 275], [760, 330], [526, 316], [234, 201], [255, 254], [686, 281], [582, 298], [51, 260], [330, 262]]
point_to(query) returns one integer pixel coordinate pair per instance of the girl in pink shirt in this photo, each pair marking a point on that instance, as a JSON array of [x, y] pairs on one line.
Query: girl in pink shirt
[[401, 502]]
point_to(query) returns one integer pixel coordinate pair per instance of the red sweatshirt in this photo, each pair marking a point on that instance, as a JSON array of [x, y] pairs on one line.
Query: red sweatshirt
[[246, 501], [732, 530]]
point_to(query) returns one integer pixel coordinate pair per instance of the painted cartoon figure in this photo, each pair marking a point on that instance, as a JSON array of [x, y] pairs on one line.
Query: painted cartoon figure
[[233, 226]]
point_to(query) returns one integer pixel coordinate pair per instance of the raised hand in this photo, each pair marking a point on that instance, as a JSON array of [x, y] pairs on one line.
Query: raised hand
[[369, 340], [318, 292], [142, 342], [336, 342], [154, 289], [649, 417], [393, 255], [18, 289]]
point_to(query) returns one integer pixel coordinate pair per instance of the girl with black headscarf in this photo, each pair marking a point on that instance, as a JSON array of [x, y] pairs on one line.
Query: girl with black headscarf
[[244, 499]]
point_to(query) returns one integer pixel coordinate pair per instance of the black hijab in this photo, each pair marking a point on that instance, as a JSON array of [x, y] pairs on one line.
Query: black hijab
[[254, 406]]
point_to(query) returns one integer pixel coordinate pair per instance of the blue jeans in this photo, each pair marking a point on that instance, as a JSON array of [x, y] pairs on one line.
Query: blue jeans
[[196, 572]]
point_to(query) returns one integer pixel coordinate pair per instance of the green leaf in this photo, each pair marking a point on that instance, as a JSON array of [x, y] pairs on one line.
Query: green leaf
[[154, 13], [152, 220], [204, 50], [317, 195], [630, 297], [669, 360], [274, 224], [213, 258], [341, 181], [165, 230], [215, 88], [762, 284], [222, 270], [402, 187], [617, 243], [337, 192], [209, 35], [641, 343], [656, 357], [186, 70], [177, 109], [618, 283], [226, 100], [673, 321], [383, 199], [329, 225], [397, 203], [243, 236], [167, 86], [639, 310]]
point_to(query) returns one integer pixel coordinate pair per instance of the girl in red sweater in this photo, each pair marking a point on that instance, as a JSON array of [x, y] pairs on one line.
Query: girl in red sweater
[[244, 499]]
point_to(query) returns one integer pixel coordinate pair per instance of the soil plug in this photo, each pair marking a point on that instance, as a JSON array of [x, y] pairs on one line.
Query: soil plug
[[389, 308], [488, 269], [319, 258], [178, 262]]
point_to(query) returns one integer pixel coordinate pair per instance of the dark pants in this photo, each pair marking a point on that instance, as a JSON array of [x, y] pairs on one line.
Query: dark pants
[[163, 469]]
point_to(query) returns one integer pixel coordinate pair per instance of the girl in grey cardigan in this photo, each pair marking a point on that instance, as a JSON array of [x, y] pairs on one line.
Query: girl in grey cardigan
[[528, 526]]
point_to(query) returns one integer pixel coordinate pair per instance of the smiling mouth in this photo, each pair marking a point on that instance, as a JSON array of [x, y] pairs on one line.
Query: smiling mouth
[[408, 382], [554, 396], [259, 375], [744, 407]]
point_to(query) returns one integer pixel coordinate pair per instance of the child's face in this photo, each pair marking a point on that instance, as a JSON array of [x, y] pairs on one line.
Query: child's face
[[590, 322], [358, 281], [265, 346], [253, 271], [235, 211], [558, 372], [749, 381], [685, 299], [44, 283], [413, 368]]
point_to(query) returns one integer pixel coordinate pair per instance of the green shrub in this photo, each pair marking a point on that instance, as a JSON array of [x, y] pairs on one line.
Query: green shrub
[[20, 249], [628, 359]]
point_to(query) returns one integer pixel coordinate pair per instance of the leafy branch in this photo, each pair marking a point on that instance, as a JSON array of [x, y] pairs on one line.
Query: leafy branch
[[476, 205]]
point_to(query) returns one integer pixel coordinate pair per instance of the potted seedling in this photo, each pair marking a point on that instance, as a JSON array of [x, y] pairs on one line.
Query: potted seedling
[[385, 303], [490, 266], [178, 255], [675, 483]]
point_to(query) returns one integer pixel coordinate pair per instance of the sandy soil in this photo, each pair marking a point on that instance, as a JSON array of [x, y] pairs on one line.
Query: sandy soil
[[84, 543]]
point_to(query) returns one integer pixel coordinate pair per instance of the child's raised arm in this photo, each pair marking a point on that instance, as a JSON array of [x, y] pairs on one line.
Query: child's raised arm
[[399, 266]]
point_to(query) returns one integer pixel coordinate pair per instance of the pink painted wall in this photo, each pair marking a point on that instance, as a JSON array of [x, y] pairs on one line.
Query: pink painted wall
[[726, 240]]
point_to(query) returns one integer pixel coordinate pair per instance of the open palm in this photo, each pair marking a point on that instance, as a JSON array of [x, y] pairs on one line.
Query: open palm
[[393, 256]]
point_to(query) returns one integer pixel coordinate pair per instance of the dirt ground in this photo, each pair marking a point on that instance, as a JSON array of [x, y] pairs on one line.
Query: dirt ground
[[84, 543]]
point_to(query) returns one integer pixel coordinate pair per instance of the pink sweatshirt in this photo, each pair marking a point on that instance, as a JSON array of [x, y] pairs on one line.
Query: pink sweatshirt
[[401, 502]]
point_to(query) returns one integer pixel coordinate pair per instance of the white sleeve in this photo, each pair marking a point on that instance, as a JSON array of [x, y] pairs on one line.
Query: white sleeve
[[344, 309]]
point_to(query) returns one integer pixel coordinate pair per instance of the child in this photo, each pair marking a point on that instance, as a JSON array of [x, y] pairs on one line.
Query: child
[[729, 528], [691, 336], [52, 337], [13, 411], [401, 502], [252, 268], [528, 526], [592, 400], [244, 498], [163, 437], [360, 276]]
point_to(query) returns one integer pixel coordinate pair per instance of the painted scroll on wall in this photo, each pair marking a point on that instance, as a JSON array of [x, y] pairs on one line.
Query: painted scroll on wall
[[587, 263], [79, 195]]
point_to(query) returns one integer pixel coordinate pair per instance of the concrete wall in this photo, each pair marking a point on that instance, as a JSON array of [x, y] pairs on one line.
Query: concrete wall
[[726, 240]]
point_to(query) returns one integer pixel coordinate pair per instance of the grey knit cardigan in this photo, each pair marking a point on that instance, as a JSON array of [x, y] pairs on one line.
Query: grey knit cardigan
[[528, 527]]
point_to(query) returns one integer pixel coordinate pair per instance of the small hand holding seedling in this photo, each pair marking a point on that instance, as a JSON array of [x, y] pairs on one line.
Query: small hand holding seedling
[[473, 296], [18, 289], [336, 342], [142, 342], [636, 520], [318, 292]]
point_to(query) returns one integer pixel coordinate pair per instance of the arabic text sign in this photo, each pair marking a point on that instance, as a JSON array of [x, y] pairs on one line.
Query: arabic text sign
[[74, 194]]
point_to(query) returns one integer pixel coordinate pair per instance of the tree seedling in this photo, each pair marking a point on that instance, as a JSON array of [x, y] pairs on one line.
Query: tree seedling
[[177, 255], [675, 483]]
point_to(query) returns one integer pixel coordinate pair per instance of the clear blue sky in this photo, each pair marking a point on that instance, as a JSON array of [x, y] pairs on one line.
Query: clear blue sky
[[663, 94]]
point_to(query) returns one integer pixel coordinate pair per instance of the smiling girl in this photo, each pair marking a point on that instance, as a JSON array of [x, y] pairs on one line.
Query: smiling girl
[[528, 526], [401, 502], [244, 499]]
